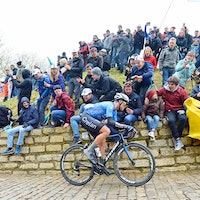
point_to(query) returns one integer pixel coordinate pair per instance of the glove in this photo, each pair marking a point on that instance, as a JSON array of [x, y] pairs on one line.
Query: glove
[[39, 100], [129, 128], [25, 124]]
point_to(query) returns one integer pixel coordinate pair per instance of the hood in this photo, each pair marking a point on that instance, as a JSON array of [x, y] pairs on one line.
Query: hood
[[25, 99], [25, 73], [166, 86]]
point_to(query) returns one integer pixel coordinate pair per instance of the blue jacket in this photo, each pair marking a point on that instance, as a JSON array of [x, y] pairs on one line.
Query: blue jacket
[[28, 115], [146, 72], [60, 81], [43, 91]]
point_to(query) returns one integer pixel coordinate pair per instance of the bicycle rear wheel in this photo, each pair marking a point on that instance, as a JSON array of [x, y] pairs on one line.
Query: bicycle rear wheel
[[134, 165], [75, 166]]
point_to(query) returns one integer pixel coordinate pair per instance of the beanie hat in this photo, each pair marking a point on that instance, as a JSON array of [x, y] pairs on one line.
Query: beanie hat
[[97, 71], [150, 94], [56, 87]]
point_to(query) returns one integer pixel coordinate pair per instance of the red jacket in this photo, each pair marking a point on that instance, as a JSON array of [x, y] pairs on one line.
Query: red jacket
[[173, 100], [64, 102], [152, 60]]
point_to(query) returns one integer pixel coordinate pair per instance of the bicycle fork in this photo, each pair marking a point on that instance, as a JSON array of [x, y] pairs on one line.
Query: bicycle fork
[[128, 154]]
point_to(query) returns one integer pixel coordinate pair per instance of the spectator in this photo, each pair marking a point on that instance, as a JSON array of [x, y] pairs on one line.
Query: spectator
[[195, 47], [142, 73], [84, 51], [88, 80], [101, 85], [168, 60], [139, 40], [152, 112], [149, 57], [107, 43], [95, 58], [7, 86], [75, 71], [62, 109], [181, 42], [155, 43], [174, 96], [123, 51], [134, 107], [14, 73], [106, 61], [56, 78], [97, 43], [25, 87], [76, 119], [28, 120], [44, 95], [114, 50], [128, 68], [19, 71], [171, 33], [185, 68], [104, 87]]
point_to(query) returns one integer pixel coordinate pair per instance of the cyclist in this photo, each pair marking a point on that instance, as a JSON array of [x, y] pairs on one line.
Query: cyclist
[[100, 130]]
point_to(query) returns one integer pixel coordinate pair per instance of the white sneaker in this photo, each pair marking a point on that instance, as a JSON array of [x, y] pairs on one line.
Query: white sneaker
[[152, 136], [178, 145]]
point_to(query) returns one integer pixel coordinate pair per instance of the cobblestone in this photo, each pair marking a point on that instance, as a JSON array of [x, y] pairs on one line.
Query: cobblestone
[[184, 185]]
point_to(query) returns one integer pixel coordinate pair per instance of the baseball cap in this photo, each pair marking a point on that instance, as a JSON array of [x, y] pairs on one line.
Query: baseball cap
[[35, 71], [104, 50], [139, 58], [86, 91]]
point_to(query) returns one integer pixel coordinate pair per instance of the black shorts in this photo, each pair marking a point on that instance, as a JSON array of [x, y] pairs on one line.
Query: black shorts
[[91, 124]]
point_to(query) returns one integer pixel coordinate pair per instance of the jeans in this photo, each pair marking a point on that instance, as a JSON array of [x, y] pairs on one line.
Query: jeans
[[152, 122], [141, 90], [172, 117], [57, 116], [41, 106], [18, 129], [167, 72], [74, 87], [75, 121], [127, 119]]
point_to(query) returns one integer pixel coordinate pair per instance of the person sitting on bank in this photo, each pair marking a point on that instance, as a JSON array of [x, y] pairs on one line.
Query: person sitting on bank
[[76, 119], [62, 108], [28, 120]]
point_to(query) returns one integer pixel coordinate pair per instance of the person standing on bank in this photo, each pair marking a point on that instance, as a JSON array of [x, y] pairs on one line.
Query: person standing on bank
[[44, 93]]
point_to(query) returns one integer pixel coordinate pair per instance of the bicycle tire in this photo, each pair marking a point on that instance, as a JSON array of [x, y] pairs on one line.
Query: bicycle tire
[[139, 173], [75, 166]]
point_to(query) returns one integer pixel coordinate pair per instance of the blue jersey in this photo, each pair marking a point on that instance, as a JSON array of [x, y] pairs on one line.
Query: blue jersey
[[102, 110]]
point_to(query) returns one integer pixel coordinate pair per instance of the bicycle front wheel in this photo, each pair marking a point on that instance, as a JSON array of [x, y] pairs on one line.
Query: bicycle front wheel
[[134, 164], [75, 166]]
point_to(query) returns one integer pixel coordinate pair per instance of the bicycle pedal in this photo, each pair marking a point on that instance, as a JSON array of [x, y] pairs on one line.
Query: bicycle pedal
[[98, 169]]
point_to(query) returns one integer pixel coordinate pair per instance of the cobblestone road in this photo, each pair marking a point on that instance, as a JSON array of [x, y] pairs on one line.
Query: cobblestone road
[[163, 186]]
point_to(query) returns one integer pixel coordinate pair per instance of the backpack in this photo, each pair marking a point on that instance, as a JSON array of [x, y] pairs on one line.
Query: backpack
[[5, 116]]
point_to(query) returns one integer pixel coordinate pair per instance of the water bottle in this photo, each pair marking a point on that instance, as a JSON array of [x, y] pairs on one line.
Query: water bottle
[[98, 152]]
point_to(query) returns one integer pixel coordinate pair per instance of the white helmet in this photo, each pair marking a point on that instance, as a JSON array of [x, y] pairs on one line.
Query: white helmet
[[121, 96]]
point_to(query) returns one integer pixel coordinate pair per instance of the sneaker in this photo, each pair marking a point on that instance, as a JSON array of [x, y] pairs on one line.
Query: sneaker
[[76, 141], [90, 156], [107, 171], [18, 149], [8, 151], [152, 136], [178, 145]]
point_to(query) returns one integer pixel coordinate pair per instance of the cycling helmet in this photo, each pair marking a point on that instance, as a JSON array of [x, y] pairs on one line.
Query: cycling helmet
[[121, 96]]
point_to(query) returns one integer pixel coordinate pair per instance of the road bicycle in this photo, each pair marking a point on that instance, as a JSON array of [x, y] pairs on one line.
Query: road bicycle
[[133, 163]]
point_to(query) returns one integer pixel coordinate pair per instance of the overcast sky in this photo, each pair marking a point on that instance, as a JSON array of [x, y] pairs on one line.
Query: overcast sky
[[49, 27]]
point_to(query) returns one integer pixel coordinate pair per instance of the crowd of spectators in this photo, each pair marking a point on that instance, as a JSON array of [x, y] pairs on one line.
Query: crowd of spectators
[[137, 54]]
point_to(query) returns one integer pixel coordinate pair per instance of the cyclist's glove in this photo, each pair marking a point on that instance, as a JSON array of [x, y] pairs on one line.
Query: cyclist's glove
[[128, 128]]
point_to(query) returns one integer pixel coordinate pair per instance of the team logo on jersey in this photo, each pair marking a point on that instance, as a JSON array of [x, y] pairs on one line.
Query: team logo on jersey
[[88, 123]]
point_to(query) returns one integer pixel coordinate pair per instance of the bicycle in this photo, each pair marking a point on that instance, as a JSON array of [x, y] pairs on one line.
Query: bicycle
[[133, 162]]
